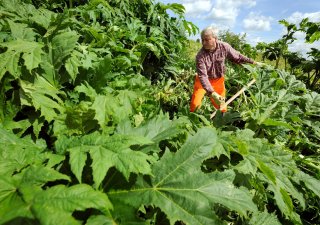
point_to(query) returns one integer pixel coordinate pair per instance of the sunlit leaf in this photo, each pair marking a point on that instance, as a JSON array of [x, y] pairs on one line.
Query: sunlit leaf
[[183, 191]]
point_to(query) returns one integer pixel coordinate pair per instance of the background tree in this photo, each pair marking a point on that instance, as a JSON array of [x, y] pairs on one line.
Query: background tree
[[274, 51], [238, 42], [313, 69]]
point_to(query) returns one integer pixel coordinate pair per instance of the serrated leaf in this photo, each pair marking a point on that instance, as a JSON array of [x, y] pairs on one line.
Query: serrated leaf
[[43, 96], [62, 46], [152, 48], [122, 62], [284, 182], [276, 165], [272, 122], [312, 106], [182, 191], [13, 206], [106, 152], [287, 200], [285, 204], [42, 17], [87, 90], [48, 215], [264, 218], [21, 31], [101, 105], [7, 187], [246, 167], [72, 65], [100, 220], [56, 205], [53, 159], [17, 192], [267, 171], [9, 62], [156, 129], [115, 108], [78, 157], [31, 53], [311, 183], [39, 175], [17, 153]]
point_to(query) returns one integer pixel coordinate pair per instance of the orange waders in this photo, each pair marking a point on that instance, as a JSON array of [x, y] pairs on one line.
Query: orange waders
[[199, 92]]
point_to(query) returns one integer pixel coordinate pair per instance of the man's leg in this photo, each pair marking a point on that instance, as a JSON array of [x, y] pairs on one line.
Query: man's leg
[[197, 96], [219, 87]]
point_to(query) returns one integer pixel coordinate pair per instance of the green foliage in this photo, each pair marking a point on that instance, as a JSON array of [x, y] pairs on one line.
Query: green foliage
[[105, 152], [305, 69], [238, 42], [84, 139], [27, 169], [182, 191], [311, 29]]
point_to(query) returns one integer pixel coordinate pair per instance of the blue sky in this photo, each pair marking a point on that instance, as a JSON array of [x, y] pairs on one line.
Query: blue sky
[[258, 19]]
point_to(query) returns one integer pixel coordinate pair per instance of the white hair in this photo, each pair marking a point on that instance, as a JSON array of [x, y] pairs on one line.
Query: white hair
[[209, 30]]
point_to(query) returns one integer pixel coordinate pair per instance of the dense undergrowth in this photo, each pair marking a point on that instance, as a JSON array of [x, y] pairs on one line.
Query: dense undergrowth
[[95, 127]]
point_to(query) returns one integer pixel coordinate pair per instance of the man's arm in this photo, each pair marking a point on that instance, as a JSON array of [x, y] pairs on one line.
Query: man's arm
[[236, 56], [203, 76]]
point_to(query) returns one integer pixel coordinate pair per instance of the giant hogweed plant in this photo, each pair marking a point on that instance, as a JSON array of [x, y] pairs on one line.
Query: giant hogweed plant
[[83, 141], [278, 108], [47, 54], [284, 111], [126, 178]]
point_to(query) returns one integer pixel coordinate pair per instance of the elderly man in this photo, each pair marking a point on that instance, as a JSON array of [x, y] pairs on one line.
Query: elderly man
[[210, 62]]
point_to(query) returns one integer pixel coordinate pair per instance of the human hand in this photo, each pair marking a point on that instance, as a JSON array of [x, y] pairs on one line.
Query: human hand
[[217, 98]]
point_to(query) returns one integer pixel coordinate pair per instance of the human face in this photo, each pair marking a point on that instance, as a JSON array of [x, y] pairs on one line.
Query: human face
[[208, 42]]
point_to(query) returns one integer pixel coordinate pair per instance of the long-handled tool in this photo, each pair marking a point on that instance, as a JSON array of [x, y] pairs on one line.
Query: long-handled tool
[[224, 105]]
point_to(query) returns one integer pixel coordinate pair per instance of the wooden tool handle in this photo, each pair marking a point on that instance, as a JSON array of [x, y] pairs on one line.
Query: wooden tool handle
[[237, 94], [233, 97]]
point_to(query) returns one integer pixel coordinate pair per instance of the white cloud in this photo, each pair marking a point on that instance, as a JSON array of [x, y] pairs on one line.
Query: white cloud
[[226, 11], [298, 16], [197, 8], [302, 47], [253, 41], [256, 22], [219, 27]]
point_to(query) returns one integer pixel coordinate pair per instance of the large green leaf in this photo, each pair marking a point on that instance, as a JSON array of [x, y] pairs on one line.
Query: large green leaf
[[114, 107], [106, 108], [62, 45], [39, 175], [43, 96], [156, 129], [56, 205], [30, 51], [312, 104], [21, 31], [17, 153], [271, 164], [100, 220], [182, 191], [72, 65], [106, 152], [311, 182], [264, 218], [10, 199], [9, 63], [18, 191]]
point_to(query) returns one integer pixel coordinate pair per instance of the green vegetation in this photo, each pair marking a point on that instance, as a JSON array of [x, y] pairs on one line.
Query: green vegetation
[[95, 125]]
